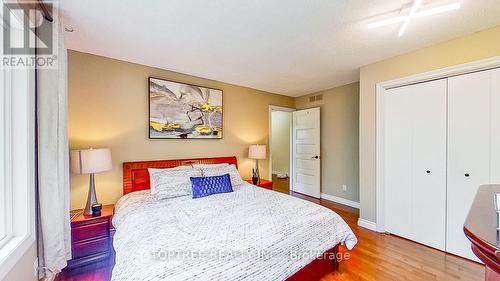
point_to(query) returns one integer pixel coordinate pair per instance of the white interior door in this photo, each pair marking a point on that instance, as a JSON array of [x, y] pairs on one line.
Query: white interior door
[[469, 142], [415, 162], [306, 152]]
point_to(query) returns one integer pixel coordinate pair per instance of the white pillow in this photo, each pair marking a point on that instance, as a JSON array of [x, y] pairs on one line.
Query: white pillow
[[210, 166], [228, 169], [173, 182]]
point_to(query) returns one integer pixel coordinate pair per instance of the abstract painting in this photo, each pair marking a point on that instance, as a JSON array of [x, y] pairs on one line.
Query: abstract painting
[[184, 111]]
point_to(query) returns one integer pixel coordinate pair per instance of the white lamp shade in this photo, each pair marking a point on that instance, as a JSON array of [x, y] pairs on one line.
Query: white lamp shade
[[257, 151], [91, 161]]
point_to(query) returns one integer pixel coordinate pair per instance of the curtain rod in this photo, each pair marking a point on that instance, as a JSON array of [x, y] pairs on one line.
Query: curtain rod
[[45, 11]]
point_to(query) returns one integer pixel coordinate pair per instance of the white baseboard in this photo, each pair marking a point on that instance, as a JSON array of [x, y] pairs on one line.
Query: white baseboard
[[340, 200], [367, 224]]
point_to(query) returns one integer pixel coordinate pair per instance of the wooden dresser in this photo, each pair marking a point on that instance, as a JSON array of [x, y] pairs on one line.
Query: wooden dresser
[[91, 240], [481, 229]]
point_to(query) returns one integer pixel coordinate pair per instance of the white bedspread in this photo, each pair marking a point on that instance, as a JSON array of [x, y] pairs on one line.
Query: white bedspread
[[249, 234]]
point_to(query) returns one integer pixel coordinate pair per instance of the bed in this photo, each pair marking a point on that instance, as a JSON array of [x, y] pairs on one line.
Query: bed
[[249, 234]]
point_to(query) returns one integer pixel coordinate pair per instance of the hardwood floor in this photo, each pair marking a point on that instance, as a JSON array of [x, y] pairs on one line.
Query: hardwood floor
[[386, 257], [376, 257], [281, 185]]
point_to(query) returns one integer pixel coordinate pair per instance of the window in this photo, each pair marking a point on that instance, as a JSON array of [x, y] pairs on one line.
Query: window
[[17, 159]]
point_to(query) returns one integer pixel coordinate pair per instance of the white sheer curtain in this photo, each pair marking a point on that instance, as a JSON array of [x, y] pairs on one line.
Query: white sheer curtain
[[54, 238]]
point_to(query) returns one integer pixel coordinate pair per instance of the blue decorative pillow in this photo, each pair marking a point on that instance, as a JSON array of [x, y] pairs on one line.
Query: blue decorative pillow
[[205, 186]]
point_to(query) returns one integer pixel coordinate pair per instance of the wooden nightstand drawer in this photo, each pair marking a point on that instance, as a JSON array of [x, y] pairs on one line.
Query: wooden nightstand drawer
[[90, 247], [91, 240], [100, 229]]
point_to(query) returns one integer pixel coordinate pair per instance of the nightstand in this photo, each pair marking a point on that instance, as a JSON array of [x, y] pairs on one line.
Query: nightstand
[[263, 183], [91, 239]]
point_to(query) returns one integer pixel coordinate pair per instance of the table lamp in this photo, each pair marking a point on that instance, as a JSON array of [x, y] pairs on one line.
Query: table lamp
[[257, 152], [91, 161]]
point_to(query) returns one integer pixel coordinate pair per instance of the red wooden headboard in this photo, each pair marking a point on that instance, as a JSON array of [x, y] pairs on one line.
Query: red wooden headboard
[[136, 176]]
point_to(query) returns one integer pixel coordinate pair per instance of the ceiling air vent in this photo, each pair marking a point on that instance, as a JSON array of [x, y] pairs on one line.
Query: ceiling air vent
[[312, 98]]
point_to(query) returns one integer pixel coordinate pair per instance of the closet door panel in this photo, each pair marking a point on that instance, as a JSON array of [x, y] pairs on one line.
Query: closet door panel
[[429, 164], [495, 127], [398, 138], [468, 152], [398, 164], [415, 142]]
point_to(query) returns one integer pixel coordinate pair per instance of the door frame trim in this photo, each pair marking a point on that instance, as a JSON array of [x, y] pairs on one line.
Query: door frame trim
[[447, 72], [290, 172]]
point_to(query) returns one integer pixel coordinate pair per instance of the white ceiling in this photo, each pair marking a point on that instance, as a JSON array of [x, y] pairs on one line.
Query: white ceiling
[[290, 47]]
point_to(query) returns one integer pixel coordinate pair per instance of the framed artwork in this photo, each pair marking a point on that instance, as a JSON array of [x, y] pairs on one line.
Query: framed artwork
[[184, 111]]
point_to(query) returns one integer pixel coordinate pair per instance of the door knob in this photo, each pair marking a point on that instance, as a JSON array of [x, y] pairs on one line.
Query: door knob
[[316, 157], [467, 175], [428, 172]]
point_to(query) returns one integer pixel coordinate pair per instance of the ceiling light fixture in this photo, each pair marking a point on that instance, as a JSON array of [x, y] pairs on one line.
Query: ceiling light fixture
[[413, 10], [416, 11]]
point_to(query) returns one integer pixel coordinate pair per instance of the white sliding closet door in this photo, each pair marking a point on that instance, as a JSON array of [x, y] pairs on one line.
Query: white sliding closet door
[[415, 162], [469, 150]]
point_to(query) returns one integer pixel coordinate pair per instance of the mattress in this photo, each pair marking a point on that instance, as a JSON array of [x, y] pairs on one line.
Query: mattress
[[249, 234]]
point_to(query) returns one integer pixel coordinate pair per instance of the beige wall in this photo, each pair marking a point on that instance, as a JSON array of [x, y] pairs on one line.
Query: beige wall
[[280, 141], [473, 47], [108, 107], [339, 139], [24, 269]]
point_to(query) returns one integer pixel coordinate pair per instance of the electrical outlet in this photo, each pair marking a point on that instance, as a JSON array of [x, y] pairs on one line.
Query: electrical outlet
[[344, 187]]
